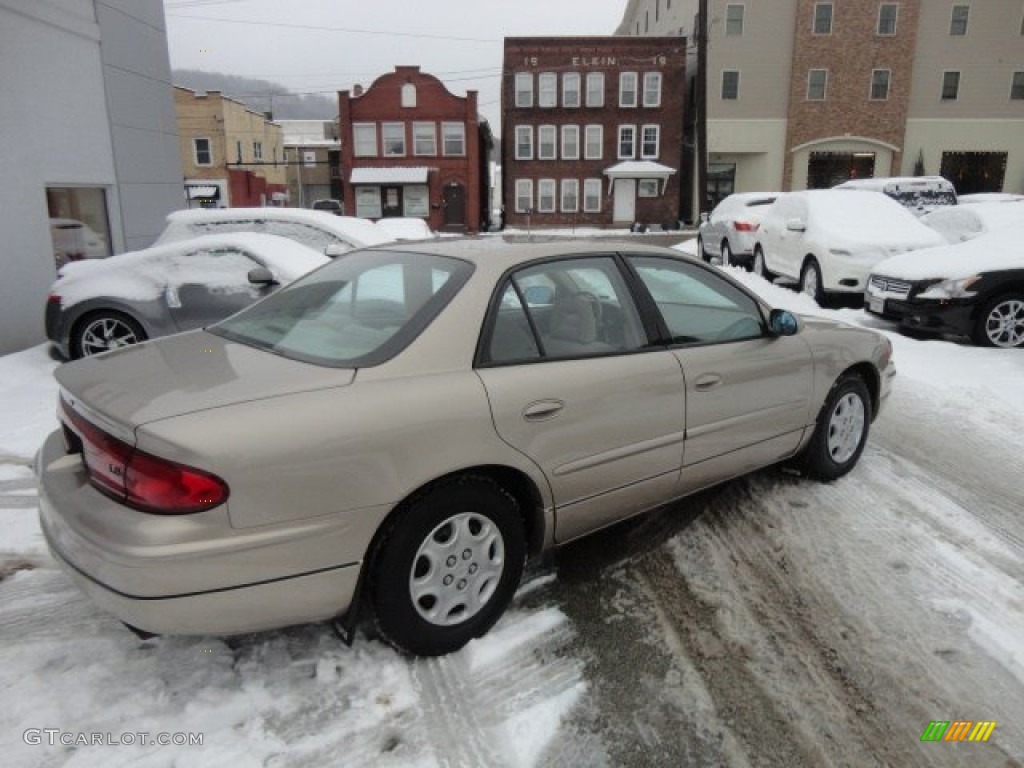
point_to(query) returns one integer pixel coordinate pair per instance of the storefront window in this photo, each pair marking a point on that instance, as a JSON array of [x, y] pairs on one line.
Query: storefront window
[[79, 225], [368, 202], [417, 201]]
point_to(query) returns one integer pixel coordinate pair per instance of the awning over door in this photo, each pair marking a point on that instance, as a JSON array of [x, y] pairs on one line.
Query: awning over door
[[202, 191], [639, 169], [411, 175]]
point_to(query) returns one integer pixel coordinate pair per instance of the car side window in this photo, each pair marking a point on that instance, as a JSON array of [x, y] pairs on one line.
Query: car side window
[[314, 238], [217, 268], [564, 309], [698, 306]]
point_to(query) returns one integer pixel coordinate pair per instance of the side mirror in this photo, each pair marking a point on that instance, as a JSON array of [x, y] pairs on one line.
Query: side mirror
[[334, 250], [782, 322], [262, 276], [796, 225]]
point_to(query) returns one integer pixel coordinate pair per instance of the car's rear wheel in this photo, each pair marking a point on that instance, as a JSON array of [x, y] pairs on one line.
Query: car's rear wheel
[[841, 431], [726, 254], [760, 268], [1001, 323], [810, 281], [103, 331], [448, 566], [700, 249]]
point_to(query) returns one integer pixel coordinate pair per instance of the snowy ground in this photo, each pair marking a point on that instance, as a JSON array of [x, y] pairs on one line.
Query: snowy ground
[[772, 621]]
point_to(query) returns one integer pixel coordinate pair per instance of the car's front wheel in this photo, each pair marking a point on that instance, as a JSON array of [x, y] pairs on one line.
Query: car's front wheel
[[841, 431], [700, 249], [103, 331], [810, 281], [448, 566], [1001, 323]]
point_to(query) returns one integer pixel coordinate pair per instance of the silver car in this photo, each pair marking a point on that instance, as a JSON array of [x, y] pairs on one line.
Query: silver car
[[395, 433], [728, 232]]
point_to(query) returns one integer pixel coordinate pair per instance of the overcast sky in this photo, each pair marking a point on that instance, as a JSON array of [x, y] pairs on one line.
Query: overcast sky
[[329, 45]]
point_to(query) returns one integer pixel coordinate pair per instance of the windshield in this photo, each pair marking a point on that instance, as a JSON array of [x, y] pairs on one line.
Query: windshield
[[358, 311]]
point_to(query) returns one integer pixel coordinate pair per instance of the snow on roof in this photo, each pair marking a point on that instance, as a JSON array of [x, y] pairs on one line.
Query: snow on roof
[[997, 250], [409, 175], [639, 169], [960, 222]]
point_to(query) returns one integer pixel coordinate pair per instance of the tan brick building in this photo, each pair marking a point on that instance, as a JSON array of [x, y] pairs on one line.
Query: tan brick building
[[231, 156], [806, 93]]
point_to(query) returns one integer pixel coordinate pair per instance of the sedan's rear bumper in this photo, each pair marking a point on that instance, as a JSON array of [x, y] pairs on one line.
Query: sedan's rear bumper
[[189, 574]]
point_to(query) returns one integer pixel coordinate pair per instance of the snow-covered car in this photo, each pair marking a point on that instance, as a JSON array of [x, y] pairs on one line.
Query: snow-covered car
[[405, 228], [96, 306], [918, 194], [988, 197], [319, 230], [728, 231], [971, 290], [829, 239], [74, 240], [397, 431], [957, 223]]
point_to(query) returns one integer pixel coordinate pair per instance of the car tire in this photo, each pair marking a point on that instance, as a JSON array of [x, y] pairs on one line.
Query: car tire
[[810, 281], [760, 268], [726, 254], [700, 250], [1001, 322], [841, 431], [102, 331], [448, 566]]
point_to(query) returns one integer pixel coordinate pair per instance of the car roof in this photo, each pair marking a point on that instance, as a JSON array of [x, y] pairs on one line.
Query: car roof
[[349, 227]]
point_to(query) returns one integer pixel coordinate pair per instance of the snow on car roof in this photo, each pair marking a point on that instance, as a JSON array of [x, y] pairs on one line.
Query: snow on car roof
[[954, 220], [404, 228], [863, 215], [360, 231], [883, 182], [997, 250]]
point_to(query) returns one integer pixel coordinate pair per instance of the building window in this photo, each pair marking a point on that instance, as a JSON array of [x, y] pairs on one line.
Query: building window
[[730, 85], [647, 188], [546, 195], [570, 142], [524, 142], [733, 19], [880, 84], [950, 86], [368, 202], [627, 142], [238, 152], [649, 142], [453, 136], [424, 139], [393, 139], [887, 13], [524, 89], [973, 172], [524, 195], [309, 157], [652, 89], [823, 18], [364, 139], [1017, 86], [627, 89], [203, 151], [547, 89], [817, 84], [592, 195], [594, 143], [257, 151], [571, 89], [416, 200], [595, 89], [79, 222], [958, 20], [408, 95], [546, 143], [570, 196]]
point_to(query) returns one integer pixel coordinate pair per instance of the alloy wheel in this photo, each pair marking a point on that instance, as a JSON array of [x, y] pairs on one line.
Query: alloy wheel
[[106, 333], [1004, 324]]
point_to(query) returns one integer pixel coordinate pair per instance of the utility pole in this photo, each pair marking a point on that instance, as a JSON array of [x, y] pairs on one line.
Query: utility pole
[[701, 84]]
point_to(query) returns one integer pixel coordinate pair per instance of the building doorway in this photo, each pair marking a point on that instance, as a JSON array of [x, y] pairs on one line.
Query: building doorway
[[391, 202], [826, 169], [973, 172], [721, 182], [624, 206], [454, 203]]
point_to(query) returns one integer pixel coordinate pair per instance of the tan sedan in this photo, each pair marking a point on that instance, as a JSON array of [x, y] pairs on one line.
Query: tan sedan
[[398, 431]]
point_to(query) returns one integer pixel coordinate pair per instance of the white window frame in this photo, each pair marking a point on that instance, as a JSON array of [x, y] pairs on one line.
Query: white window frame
[[595, 89], [597, 129], [527, 131], [591, 184], [570, 152], [549, 132], [652, 85], [888, 85], [571, 186], [742, 19], [368, 129], [420, 131], [448, 131], [257, 151], [209, 151], [953, 20], [895, 21], [543, 184], [722, 92], [644, 155], [625, 77], [384, 129], [571, 84], [631, 129], [824, 87], [524, 185], [408, 97], [831, 19], [547, 90], [524, 89]]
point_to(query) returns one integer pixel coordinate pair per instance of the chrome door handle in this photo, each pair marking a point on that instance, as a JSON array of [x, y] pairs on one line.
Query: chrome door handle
[[542, 410], [707, 381]]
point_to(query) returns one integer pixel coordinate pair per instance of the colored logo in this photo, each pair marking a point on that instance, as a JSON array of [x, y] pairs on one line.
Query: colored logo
[[958, 730]]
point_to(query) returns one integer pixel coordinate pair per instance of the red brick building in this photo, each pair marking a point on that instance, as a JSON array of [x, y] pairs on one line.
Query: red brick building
[[409, 147], [592, 130]]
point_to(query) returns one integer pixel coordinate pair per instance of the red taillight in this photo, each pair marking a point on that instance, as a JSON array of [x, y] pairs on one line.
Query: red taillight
[[745, 226], [141, 480]]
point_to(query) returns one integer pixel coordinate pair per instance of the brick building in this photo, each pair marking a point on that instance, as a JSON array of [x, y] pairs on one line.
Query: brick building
[[409, 147], [313, 155], [808, 93], [592, 130]]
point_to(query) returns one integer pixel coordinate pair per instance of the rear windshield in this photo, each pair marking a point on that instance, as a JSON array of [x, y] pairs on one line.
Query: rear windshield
[[921, 197], [358, 311]]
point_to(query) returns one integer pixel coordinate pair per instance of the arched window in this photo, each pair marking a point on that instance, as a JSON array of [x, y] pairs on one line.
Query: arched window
[[408, 95]]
